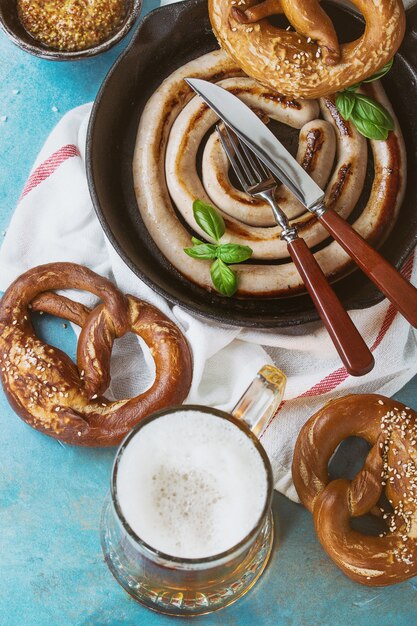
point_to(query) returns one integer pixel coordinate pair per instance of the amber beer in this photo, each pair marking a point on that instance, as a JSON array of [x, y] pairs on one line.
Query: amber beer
[[188, 526]]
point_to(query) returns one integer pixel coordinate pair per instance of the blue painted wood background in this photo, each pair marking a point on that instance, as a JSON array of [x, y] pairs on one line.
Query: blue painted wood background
[[51, 567]]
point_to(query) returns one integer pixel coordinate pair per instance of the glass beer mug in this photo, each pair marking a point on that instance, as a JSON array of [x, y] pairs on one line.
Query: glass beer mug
[[187, 527]]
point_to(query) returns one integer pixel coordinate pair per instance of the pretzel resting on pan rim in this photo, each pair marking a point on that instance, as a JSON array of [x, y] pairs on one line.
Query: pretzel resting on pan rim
[[166, 179], [307, 63], [391, 467], [63, 400]]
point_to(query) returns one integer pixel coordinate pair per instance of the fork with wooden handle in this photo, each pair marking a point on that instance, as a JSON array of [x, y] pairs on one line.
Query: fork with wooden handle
[[257, 181]]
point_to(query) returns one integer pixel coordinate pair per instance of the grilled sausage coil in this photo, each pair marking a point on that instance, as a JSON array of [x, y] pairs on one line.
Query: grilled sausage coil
[[391, 467], [63, 400], [167, 181]]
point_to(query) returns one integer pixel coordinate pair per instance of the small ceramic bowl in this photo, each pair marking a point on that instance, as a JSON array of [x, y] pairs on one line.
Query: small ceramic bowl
[[12, 26]]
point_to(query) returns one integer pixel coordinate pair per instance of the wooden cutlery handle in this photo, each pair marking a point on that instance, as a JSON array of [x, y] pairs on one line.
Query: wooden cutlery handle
[[352, 349], [398, 290]]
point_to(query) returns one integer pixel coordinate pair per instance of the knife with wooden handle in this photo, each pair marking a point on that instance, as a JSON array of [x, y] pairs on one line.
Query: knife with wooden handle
[[257, 136]]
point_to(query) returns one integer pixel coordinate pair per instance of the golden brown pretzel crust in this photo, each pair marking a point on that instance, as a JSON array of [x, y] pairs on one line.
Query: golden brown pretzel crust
[[307, 63], [62, 400], [307, 17], [391, 465]]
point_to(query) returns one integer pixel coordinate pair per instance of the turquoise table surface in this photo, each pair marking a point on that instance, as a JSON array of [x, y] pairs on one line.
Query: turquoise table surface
[[51, 568]]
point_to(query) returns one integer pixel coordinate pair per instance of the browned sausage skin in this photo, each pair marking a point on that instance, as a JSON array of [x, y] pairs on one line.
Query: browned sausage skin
[[156, 132]]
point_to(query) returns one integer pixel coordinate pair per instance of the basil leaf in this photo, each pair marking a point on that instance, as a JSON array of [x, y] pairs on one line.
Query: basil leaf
[[202, 251], [233, 253], [224, 279], [196, 241], [353, 87], [368, 110], [384, 70], [209, 219], [345, 101], [369, 129]]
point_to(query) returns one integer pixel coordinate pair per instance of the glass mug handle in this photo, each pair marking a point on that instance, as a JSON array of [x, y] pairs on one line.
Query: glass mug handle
[[261, 400]]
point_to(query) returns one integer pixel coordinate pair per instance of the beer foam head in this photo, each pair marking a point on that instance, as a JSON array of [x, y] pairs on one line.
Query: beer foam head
[[191, 484]]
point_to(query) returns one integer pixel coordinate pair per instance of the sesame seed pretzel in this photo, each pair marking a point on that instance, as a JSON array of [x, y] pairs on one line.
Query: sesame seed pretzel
[[53, 395], [307, 63], [391, 466]]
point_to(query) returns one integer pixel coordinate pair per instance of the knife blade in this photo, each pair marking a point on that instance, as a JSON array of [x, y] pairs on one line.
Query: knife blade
[[255, 134], [250, 129]]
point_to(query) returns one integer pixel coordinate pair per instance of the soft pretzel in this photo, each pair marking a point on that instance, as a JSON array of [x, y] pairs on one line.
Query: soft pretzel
[[53, 395], [390, 467], [307, 63]]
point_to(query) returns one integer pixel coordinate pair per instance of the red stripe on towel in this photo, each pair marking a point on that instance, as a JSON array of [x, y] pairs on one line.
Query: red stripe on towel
[[48, 167], [333, 380]]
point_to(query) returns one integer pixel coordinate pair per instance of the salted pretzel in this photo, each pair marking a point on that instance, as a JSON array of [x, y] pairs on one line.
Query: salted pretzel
[[308, 62], [63, 400], [390, 467]]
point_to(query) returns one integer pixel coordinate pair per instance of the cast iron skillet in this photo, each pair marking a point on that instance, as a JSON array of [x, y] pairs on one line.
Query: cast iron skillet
[[166, 39]]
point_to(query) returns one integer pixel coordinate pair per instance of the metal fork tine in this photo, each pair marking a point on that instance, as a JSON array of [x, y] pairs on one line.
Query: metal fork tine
[[236, 145], [263, 167], [255, 166], [232, 159]]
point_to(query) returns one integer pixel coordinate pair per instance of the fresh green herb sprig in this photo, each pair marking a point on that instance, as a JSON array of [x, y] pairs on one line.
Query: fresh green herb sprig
[[212, 223], [369, 117]]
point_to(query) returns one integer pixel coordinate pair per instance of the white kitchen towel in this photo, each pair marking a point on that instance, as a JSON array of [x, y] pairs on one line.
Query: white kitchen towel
[[55, 221]]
